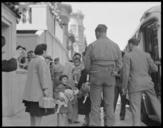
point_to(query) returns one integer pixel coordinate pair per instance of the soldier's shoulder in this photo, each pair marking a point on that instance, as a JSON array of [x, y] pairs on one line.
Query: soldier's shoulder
[[114, 44], [92, 44], [140, 51]]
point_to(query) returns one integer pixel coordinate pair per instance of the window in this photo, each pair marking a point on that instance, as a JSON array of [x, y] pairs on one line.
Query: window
[[26, 16]]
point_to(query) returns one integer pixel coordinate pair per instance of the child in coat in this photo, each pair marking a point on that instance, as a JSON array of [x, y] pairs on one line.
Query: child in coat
[[64, 93]]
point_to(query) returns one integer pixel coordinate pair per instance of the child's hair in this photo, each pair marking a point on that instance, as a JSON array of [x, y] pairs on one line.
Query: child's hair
[[63, 76]]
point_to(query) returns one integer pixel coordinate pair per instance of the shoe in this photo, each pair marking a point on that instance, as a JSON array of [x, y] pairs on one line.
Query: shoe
[[85, 124], [122, 118], [69, 121], [76, 122]]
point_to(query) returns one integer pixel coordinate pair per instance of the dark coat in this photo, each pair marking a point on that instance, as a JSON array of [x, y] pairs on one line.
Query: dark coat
[[85, 108], [9, 65]]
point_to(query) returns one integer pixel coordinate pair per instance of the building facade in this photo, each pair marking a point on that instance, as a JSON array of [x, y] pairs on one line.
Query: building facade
[[76, 28], [41, 29], [31, 30]]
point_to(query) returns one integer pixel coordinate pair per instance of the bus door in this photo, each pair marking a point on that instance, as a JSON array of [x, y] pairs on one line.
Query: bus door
[[149, 30]]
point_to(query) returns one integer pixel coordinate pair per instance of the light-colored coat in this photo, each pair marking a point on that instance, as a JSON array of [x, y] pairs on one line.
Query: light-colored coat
[[136, 67], [38, 78]]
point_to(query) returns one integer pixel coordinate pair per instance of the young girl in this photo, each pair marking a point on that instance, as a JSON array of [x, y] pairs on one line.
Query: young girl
[[64, 93]]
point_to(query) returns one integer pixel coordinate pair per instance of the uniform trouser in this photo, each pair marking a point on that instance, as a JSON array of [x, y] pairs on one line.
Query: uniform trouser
[[123, 101], [95, 96], [135, 104]]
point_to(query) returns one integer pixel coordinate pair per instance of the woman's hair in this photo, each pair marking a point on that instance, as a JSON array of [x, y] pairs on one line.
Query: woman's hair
[[63, 76], [40, 48]]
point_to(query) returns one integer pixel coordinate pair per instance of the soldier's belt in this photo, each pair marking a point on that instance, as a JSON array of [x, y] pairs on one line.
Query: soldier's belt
[[104, 62], [94, 70]]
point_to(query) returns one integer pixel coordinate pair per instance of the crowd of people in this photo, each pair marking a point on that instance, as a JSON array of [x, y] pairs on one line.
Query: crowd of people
[[89, 81], [23, 57]]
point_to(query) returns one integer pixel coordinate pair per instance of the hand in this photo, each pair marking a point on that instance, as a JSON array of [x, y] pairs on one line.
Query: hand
[[47, 93], [124, 91], [114, 73], [79, 95], [86, 87]]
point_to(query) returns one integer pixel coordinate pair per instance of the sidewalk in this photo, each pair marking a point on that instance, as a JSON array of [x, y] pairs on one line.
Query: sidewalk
[[22, 119]]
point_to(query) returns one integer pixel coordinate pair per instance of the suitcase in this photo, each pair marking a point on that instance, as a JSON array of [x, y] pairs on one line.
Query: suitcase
[[148, 115]]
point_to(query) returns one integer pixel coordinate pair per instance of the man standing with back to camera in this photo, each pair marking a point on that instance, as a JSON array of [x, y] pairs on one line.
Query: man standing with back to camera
[[136, 80], [103, 58]]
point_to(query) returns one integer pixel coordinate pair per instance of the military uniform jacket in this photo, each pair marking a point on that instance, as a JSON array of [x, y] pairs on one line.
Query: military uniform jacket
[[136, 67], [101, 57]]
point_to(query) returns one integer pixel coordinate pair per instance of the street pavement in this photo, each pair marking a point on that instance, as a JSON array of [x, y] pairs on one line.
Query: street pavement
[[23, 119]]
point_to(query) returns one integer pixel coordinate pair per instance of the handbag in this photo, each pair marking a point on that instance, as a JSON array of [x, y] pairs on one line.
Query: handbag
[[47, 102]]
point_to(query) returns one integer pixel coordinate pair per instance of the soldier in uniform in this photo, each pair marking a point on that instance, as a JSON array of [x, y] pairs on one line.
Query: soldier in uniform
[[137, 80], [103, 58]]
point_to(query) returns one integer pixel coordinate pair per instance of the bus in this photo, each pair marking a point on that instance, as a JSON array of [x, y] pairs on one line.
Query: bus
[[149, 35]]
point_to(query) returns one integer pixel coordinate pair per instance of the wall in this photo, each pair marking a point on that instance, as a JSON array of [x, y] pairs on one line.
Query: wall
[[59, 51], [49, 42], [29, 41], [50, 21], [51, 33], [8, 21], [59, 32], [19, 90]]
